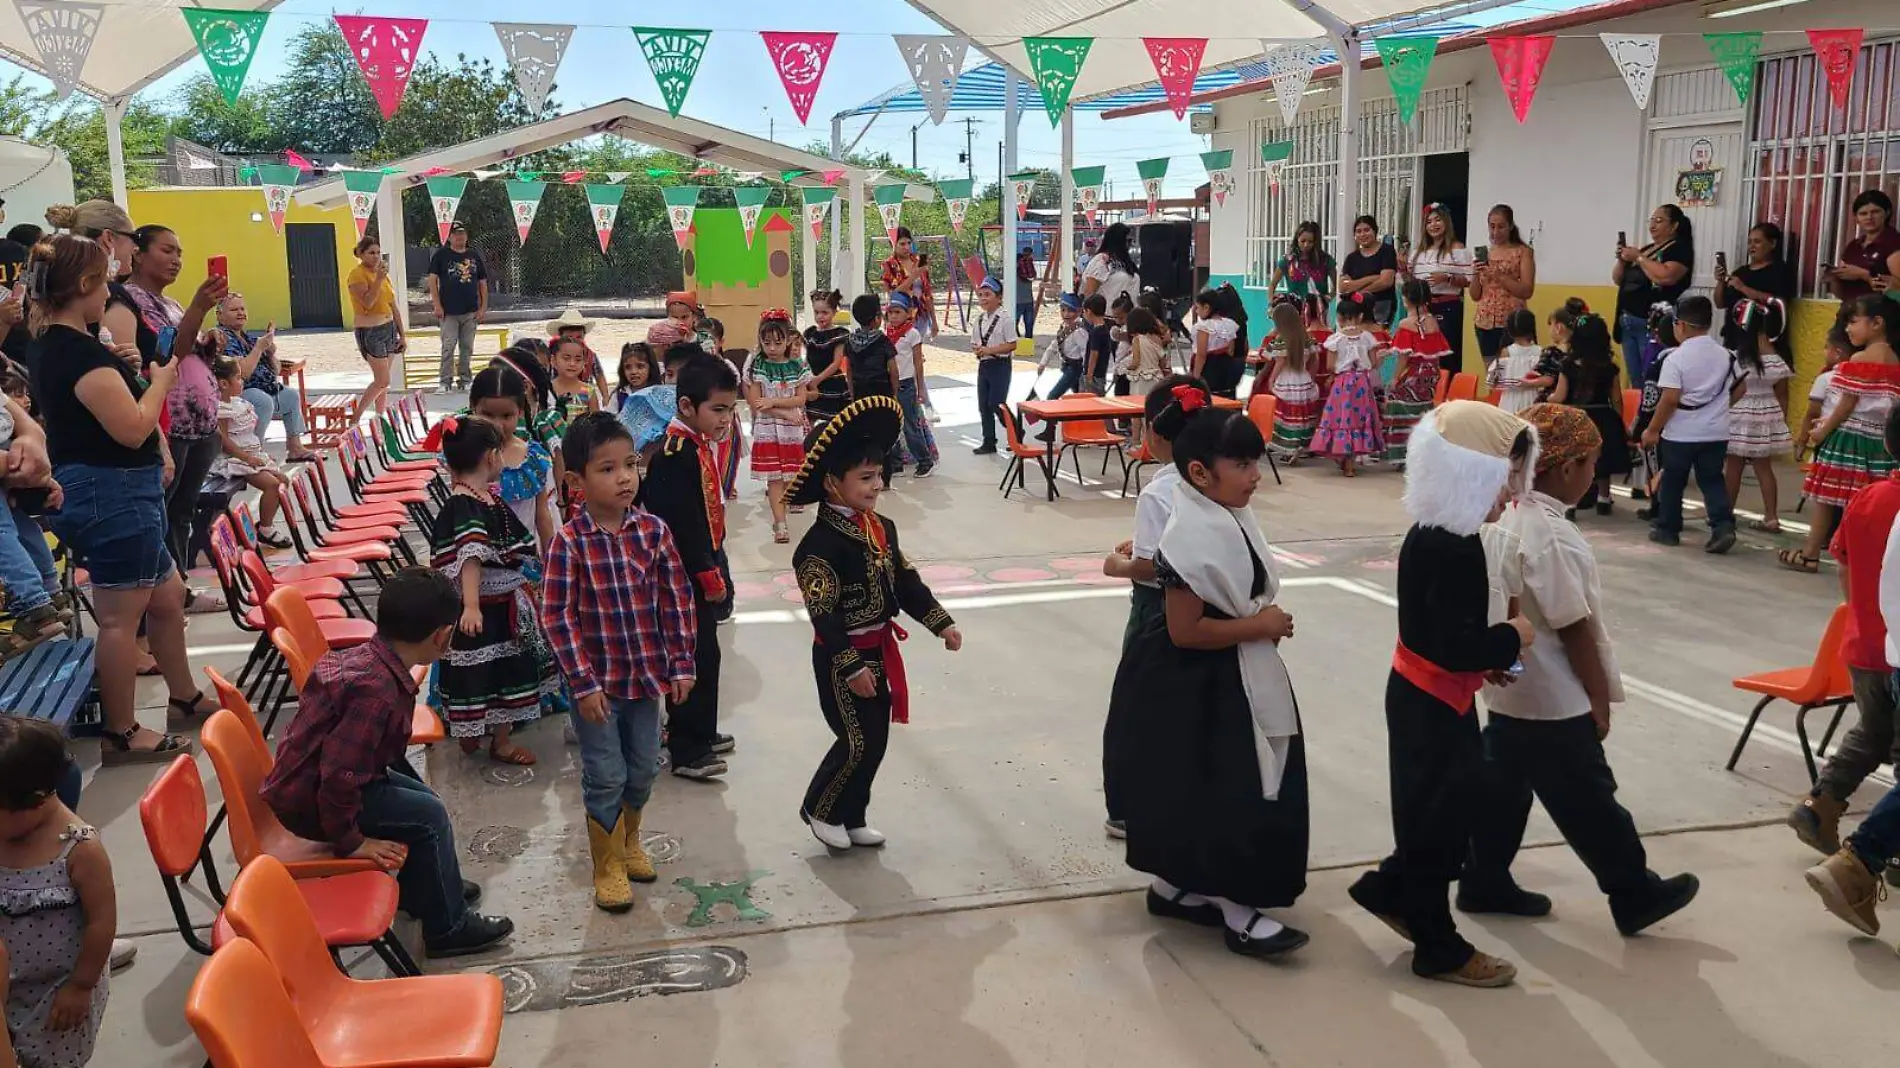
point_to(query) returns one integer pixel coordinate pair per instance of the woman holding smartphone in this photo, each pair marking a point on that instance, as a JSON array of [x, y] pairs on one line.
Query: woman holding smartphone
[[1765, 274]]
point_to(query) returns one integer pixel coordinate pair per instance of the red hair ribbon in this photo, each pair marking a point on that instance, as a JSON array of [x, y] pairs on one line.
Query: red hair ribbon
[[1190, 398], [775, 315], [447, 425]]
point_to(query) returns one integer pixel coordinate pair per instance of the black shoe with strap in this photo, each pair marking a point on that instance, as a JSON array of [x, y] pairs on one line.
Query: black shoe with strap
[[1205, 914]]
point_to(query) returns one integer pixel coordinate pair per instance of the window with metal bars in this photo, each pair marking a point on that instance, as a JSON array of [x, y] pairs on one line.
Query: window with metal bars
[[1808, 160], [1388, 154]]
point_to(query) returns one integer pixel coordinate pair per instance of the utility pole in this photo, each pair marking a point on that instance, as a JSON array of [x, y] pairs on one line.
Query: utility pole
[[969, 145], [913, 145], [1001, 193]]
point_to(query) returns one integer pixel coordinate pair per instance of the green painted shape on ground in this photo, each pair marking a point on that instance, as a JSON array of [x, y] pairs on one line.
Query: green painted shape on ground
[[737, 894], [720, 249]]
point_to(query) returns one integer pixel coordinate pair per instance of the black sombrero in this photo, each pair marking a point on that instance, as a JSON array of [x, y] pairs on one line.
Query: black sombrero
[[876, 419]]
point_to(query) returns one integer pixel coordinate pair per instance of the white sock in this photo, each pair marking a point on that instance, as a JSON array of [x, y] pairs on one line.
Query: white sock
[[1173, 893], [1248, 921]]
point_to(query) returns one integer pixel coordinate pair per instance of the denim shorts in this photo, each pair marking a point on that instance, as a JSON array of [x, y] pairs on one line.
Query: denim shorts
[[114, 520]]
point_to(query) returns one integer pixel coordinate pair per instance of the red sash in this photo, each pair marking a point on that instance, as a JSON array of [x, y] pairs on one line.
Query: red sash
[[1454, 688], [885, 638]]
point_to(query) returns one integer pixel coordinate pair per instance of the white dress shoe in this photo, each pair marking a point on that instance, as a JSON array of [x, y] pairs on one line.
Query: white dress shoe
[[832, 835], [866, 836]]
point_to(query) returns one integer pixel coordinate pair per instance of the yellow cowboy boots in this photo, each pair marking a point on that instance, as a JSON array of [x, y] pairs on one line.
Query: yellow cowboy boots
[[611, 890], [633, 856]]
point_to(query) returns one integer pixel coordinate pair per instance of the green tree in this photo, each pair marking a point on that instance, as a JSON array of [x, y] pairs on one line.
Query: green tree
[[206, 117], [80, 130], [321, 103]]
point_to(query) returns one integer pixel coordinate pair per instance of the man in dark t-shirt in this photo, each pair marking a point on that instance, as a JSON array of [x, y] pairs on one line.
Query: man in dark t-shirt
[[458, 286]]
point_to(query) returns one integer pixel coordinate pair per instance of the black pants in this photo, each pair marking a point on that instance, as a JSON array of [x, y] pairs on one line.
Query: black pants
[[840, 790], [692, 723], [1562, 763], [1437, 758], [1222, 373], [1451, 320], [191, 460], [992, 389], [1491, 342]]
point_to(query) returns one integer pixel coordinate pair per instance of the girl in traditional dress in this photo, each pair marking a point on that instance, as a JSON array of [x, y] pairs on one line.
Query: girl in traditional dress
[[1203, 739], [1420, 345], [777, 385], [1349, 427], [498, 667], [1290, 381], [1758, 418], [1850, 452], [1220, 340], [1590, 380]]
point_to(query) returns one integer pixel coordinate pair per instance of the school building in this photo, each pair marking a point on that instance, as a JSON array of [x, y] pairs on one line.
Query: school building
[[1587, 163], [294, 279]]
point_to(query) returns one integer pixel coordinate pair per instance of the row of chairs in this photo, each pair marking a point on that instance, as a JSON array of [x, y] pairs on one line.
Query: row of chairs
[[1074, 435]]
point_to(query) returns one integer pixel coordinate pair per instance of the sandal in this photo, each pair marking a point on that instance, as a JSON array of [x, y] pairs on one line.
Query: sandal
[[1765, 526], [117, 748], [781, 533], [273, 537], [1796, 560], [203, 602], [514, 754], [183, 714], [303, 458], [31, 630]]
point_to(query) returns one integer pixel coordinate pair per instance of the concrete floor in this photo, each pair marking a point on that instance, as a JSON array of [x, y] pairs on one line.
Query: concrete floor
[[998, 927]]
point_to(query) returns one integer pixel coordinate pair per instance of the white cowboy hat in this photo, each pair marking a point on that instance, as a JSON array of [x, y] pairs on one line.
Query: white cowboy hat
[[569, 318]]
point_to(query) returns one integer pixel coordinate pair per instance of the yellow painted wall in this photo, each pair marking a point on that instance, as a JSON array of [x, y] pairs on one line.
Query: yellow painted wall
[[217, 222]]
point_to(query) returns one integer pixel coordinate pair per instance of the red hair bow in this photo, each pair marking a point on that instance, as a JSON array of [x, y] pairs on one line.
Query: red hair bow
[[775, 315], [447, 425], [1190, 398]]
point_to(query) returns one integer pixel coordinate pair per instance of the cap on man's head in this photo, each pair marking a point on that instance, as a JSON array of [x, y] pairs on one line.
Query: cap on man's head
[[458, 228]]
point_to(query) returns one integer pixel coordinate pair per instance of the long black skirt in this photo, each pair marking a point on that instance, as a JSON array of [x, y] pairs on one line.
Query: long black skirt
[[1179, 759]]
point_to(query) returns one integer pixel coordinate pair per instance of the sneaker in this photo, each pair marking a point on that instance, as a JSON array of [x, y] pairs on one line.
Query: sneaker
[[868, 837], [476, 933], [1510, 900], [442, 390], [1663, 537], [926, 470], [723, 743], [831, 834], [705, 769], [1482, 970], [1117, 829], [1664, 898], [1721, 541], [1817, 822], [988, 448], [124, 952], [1848, 890]]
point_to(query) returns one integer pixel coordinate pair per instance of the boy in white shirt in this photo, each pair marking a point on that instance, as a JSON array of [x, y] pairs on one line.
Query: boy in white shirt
[[1546, 726], [1069, 350], [993, 343], [1135, 559], [900, 326], [1690, 428]]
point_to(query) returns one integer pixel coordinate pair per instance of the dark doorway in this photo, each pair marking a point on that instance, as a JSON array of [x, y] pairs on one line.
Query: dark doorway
[[314, 300], [1445, 179]]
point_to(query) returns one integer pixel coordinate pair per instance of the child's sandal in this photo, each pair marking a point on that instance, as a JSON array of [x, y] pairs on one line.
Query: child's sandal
[[781, 533], [1796, 560]]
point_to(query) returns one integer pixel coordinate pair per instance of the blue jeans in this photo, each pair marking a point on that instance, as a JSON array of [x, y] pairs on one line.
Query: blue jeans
[[916, 425], [1635, 336], [286, 405], [619, 758], [26, 564], [1070, 378], [1679, 459], [402, 809], [1025, 315], [992, 390]]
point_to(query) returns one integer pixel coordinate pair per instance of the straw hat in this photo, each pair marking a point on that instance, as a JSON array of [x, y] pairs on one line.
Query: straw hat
[[570, 319]]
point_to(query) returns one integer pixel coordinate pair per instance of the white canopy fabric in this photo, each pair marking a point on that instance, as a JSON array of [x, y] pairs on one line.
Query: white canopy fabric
[[1118, 60], [139, 42]]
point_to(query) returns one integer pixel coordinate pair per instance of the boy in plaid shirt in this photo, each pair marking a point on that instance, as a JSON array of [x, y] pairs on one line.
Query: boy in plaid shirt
[[618, 609]]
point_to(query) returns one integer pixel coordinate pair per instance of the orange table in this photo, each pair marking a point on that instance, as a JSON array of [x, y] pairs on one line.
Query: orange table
[[1072, 407]]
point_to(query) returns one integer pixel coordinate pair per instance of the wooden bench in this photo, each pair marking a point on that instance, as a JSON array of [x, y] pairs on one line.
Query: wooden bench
[[53, 682], [418, 372], [328, 417]]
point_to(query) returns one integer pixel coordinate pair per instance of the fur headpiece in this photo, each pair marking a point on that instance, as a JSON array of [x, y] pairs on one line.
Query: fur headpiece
[[1458, 459]]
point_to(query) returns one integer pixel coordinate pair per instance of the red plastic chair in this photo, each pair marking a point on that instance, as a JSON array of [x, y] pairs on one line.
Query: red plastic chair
[[1814, 685], [428, 1021], [349, 910]]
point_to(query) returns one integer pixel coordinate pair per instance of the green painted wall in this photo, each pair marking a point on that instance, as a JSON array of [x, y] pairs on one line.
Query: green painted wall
[[720, 248]]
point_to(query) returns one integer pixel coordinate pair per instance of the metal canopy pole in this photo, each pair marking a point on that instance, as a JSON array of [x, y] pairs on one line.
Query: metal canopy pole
[[115, 147], [389, 232], [1066, 232], [1345, 38], [1012, 116], [854, 280], [808, 278], [837, 220]]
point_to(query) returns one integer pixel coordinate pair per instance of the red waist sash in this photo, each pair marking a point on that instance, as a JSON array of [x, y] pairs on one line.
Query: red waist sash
[[885, 639], [1455, 688]]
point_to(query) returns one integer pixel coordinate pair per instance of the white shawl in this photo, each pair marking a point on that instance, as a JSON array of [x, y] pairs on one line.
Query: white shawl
[[1206, 544]]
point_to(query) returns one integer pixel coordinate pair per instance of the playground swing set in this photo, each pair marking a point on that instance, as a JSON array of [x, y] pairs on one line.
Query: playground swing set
[[966, 274]]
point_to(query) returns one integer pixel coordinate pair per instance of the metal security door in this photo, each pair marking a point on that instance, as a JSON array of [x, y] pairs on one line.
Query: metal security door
[[314, 298]]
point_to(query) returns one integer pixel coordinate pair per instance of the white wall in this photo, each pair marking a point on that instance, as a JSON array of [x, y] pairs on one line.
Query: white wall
[[1227, 225]]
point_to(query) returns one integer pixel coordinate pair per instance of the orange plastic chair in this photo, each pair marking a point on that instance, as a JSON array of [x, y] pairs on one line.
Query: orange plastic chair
[[1464, 386], [1260, 408], [1142, 457], [242, 1014], [1013, 475], [286, 607], [1438, 390], [1632, 406], [350, 910], [253, 828], [1077, 434], [429, 1021], [1817, 685], [425, 726]]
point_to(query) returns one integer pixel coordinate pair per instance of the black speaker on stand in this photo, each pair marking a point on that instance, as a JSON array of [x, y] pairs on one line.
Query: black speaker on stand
[[1166, 258]]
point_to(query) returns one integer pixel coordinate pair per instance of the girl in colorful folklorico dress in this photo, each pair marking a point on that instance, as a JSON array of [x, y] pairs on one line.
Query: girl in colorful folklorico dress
[[1289, 380], [1349, 427], [1203, 744], [1420, 344], [777, 384], [1850, 452], [498, 667]]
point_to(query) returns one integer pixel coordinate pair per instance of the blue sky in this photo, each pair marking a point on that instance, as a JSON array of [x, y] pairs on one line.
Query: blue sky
[[737, 88]]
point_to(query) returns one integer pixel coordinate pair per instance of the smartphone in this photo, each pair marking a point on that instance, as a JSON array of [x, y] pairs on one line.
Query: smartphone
[[218, 267], [1721, 260], [1481, 254], [1622, 239], [166, 336]]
